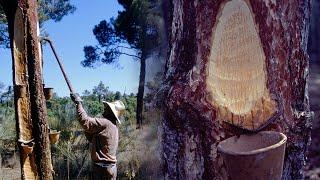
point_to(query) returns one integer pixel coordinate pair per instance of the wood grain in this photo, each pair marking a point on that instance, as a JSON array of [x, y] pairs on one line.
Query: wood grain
[[237, 73]]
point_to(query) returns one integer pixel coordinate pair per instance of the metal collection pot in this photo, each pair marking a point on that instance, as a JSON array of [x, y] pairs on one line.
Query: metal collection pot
[[255, 156], [48, 93], [54, 136]]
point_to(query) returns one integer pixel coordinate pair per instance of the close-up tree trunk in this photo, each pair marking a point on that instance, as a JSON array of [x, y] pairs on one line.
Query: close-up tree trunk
[[234, 67], [31, 112]]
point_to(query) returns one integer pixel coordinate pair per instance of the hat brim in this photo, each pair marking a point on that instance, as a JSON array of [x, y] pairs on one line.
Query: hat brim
[[112, 110]]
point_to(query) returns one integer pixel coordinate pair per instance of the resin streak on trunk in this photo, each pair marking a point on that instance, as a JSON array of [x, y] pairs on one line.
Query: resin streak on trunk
[[237, 73]]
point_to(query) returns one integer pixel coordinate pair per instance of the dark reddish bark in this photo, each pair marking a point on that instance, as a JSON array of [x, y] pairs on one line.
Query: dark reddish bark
[[190, 129]]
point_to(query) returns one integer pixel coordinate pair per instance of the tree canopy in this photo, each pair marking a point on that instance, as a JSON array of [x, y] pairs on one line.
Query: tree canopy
[[138, 27], [47, 10]]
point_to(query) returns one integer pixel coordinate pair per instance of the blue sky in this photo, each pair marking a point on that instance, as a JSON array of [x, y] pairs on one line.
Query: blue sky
[[70, 36]]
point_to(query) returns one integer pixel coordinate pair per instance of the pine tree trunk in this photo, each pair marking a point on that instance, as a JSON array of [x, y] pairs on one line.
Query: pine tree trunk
[[31, 109], [197, 115], [140, 94], [37, 99], [22, 103]]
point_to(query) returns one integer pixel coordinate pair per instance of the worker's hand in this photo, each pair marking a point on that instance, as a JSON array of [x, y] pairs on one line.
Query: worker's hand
[[75, 98]]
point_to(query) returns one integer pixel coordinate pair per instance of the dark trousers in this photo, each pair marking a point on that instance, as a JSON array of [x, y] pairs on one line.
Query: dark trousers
[[108, 172]]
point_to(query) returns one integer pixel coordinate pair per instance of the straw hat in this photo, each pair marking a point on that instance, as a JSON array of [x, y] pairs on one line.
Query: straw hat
[[117, 107]]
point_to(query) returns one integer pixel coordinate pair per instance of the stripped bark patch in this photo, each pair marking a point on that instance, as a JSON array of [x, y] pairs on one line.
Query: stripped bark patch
[[24, 123], [237, 75]]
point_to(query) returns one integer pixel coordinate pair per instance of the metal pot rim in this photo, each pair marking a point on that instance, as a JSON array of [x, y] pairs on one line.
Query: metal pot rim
[[256, 151]]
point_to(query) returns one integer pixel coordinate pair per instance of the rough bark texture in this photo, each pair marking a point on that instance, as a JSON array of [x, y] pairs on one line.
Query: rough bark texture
[[191, 131], [22, 101], [27, 69], [37, 99]]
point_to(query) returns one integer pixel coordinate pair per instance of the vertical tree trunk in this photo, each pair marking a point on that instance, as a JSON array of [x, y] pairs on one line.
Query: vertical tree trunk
[[142, 77], [202, 101], [31, 110], [20, 80], [37, 100]]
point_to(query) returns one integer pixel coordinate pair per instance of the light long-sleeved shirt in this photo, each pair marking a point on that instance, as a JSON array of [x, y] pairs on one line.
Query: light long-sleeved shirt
[[103, 137]]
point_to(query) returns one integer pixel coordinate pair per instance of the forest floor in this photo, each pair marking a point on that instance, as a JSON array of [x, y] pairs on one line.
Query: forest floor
[[313, 171]]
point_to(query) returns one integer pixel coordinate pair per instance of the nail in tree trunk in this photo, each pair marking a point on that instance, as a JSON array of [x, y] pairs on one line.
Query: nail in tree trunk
[[234, 67], [31, 109]]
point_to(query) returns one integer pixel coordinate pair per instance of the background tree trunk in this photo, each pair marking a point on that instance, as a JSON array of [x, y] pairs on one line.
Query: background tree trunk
[[142, 77], [314, 53], [314, 38], [190, 129]]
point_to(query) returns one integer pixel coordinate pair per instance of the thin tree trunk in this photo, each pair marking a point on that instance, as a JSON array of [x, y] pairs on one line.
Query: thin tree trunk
[[195, 120], [140, 94], [68, 161]]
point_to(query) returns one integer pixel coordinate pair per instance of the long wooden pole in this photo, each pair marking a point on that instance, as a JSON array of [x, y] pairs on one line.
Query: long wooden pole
[[59, 62]]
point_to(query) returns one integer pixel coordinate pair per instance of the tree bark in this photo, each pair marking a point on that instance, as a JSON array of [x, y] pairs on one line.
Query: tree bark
[[142, 77], [37, 99], [20, 80], [191, 128], [26, 57]]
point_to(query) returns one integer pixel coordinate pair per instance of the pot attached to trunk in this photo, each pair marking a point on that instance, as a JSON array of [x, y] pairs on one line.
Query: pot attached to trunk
[[54, 136], [254, 156], [48, 93]]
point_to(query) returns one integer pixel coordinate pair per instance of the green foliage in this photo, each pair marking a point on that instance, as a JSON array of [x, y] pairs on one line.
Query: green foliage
[[7, 123], [73, 148], [47, 10], [139, 25], [55, 10], [101, 91]]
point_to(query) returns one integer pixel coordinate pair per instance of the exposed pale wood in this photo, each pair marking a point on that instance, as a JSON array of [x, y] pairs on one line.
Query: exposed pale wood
[[190, 128], [237, 72], [22, 104]]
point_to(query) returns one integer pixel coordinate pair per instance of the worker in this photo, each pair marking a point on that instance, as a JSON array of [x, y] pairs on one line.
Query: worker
[[102, 134]]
